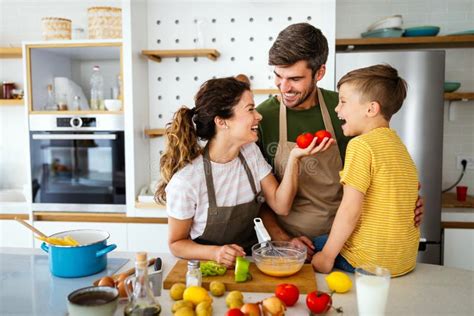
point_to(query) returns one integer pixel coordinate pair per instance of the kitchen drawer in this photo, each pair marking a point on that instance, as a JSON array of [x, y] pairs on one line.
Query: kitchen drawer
[[148, 237], [459, 248], [12, 234]]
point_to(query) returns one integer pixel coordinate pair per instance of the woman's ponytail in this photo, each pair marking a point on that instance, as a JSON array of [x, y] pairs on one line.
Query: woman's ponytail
[[182, 147]]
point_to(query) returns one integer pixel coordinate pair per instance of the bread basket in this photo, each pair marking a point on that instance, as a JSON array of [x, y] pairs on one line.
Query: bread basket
[[104, 22]]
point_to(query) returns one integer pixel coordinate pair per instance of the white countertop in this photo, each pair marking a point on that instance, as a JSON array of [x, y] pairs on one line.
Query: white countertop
[[429, 290]]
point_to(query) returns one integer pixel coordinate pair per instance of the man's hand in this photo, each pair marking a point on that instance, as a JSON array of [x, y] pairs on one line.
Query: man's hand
[[322, 263], [306, 242], [419, 209]]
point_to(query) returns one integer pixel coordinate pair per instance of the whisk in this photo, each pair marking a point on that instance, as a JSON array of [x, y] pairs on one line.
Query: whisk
[[264, 237]]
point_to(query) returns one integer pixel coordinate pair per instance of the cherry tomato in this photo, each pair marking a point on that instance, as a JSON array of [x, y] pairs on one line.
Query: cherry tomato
[[288, 293], [320, 135], [304, 140], [318, 302], [234, 312]]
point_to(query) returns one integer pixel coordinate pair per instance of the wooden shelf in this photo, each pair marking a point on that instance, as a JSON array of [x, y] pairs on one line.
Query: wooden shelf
[[155, 132], [11, 102], [157, 55], [453, 96], [453, 41], [10, 52], [96, 218], [75, 112], [265, 91]]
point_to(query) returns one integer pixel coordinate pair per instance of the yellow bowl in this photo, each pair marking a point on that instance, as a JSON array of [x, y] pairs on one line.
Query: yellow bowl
[[278, 258]]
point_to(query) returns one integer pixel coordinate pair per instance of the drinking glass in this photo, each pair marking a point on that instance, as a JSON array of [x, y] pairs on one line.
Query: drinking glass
[[372, 283]]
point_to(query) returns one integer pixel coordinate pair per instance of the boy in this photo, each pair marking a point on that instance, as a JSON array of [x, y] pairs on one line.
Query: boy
[[374, 223]]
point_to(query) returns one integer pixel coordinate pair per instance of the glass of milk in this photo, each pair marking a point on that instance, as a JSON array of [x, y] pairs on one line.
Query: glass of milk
[[372, 283]]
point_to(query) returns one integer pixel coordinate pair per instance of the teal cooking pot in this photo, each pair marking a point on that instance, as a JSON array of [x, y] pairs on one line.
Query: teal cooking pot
[[88, 258]]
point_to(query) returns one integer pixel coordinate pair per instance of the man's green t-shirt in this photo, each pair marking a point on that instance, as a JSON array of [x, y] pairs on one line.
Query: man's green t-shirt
[[298, 122]]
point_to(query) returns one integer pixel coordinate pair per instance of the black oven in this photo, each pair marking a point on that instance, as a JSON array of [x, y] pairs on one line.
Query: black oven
[[77, 162]]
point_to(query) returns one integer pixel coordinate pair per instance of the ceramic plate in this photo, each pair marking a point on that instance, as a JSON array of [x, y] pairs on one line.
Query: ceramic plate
[[421, 31], [468, 32]]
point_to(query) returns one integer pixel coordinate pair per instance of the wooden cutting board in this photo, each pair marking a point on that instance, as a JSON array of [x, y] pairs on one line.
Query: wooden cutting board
[[305, 279]]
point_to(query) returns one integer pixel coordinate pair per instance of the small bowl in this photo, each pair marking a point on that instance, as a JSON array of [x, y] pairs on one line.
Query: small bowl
[[93, 301], [451, 86], [394, 21], [113, 104], [382, 33], [278, 258]]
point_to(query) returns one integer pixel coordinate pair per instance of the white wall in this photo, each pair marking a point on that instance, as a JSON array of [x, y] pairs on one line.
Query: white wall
[[242, 31], [353, 18]]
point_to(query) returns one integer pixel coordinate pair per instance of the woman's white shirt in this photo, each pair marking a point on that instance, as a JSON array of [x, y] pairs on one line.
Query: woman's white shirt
[[186, 193]]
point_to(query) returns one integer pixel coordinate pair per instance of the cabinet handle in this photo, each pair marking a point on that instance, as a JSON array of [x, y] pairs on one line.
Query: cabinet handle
[[74, 136]]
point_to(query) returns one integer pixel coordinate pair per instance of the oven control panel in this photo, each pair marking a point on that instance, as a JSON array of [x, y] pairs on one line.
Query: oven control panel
[[76, 122]]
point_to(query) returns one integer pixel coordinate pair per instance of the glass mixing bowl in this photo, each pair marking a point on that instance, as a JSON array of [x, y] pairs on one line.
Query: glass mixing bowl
[[278, 258]]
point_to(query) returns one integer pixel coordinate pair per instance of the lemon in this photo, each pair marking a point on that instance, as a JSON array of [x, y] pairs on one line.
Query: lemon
[[339, 282], [196, 294]]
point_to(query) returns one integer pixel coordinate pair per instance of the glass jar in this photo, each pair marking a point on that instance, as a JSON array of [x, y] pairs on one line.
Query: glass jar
[[194, 275], [7, 88]]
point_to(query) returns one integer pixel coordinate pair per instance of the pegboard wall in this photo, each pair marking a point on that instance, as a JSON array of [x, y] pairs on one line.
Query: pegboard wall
[[241, 31]]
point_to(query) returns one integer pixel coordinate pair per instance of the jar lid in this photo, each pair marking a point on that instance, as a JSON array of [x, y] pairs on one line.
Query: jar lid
[[7, 82], [193, 264]]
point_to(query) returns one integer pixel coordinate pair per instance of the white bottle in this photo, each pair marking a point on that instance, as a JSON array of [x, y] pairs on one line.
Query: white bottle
[[193, 276], [97, 89]]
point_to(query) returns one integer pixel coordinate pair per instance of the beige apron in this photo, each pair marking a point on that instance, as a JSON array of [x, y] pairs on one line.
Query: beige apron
[[319, 191], [230, 224]]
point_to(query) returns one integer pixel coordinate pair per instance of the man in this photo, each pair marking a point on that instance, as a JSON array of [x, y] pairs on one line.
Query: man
[[299, 55]]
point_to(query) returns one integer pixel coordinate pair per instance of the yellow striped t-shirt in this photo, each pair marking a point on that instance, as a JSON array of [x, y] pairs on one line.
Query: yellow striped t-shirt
[[379, 165]]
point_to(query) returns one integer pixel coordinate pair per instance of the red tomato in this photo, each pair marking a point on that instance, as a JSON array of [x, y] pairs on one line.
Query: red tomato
[[304, 140], [234, 312], [318, 302], [288, 293], [320, 135]]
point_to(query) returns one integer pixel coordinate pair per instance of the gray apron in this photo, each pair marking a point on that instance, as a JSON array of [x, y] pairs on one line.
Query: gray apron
[[319, 191], [230, 224]]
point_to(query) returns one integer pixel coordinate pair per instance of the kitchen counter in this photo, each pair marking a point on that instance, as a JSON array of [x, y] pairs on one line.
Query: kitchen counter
[[429, 290], [448, 200]]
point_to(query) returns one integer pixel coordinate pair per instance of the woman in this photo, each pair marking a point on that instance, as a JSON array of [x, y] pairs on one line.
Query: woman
[[213, 194]]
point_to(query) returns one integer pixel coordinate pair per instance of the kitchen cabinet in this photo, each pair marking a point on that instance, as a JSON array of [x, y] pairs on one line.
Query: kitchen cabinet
[[12, 234], [148, 237], [117, 231], [68, 67], [459, 248]]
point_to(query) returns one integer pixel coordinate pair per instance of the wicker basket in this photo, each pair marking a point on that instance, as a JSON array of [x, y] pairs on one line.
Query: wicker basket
[[105, 22], [56, 28]]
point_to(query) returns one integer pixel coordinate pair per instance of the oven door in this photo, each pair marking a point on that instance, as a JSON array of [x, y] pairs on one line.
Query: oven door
[[78, 168]]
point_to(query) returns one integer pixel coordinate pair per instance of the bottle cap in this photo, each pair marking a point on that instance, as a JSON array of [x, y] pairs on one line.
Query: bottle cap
[[140, 256], [193, 264]]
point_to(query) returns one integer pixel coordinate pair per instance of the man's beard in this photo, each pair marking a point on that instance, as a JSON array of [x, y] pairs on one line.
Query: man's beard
[[312, 87]]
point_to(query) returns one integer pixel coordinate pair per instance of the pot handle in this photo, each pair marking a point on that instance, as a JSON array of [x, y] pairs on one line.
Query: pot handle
[[44, 247], [105, 250]]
